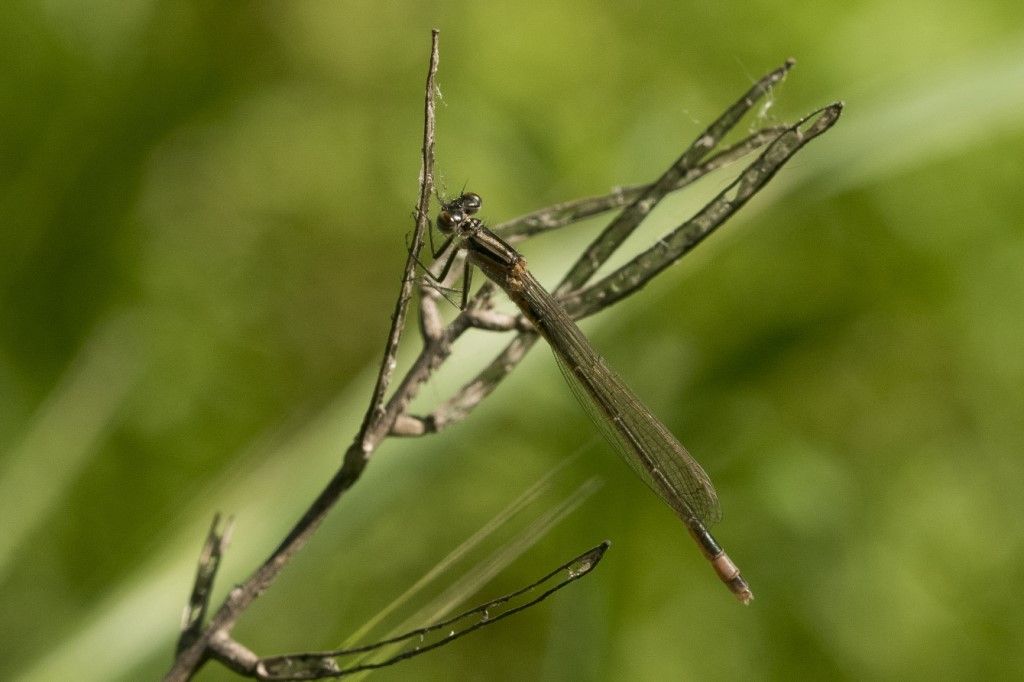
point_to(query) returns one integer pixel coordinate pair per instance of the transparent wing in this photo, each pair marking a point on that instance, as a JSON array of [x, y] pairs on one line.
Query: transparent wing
[[646, 444]]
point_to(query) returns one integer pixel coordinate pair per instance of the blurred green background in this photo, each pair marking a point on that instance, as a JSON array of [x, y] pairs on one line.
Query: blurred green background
[[204, 208]]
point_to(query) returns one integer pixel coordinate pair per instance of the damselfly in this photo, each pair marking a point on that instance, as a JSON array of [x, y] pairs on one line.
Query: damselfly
[[643, 441]]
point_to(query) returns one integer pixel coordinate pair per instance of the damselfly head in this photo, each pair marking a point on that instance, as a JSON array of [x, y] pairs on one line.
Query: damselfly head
[[450, 218], [457, 211]]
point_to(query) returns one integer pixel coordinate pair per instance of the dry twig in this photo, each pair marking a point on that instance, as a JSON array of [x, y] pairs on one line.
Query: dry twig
[[390, 417]]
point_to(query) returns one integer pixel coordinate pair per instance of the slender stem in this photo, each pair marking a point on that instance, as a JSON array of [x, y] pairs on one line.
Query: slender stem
[[374, 413], [377, 423], [626, 222], [216, 543], [321, 664], [568, 212], [667, 250]]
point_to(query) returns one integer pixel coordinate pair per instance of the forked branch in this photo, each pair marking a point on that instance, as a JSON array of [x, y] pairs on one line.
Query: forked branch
[[390, 416]]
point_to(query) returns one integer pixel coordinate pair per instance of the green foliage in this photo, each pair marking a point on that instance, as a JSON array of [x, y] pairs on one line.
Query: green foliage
[[204, 209]]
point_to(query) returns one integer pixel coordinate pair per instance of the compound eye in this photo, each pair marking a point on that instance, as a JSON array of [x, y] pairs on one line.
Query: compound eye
[[471, 202], [449, 219]]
